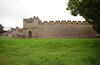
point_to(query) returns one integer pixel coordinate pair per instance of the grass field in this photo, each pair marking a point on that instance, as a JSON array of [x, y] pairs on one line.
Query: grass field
[[14, 51]]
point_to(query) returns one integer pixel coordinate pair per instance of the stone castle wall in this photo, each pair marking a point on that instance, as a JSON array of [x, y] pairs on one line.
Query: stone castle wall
[[57, 29], [72, 31], [35, 28]]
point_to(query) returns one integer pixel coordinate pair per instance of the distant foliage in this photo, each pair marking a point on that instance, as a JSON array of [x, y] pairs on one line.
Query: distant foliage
[[89, 9], [1, 29]]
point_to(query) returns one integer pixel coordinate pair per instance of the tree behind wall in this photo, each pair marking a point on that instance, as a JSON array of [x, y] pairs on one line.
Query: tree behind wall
[[89, 9]]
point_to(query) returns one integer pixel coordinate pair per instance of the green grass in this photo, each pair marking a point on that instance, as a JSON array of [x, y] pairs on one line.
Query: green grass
[[15, 51]]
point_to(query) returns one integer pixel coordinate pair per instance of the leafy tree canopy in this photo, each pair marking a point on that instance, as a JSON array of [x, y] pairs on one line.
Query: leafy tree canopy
[[89, 9]]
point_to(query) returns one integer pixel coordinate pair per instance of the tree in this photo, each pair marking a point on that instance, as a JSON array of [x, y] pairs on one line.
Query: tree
[[1, 29], [89, 9]]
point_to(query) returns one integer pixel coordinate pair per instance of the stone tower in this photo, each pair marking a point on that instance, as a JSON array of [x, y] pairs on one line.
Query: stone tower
[[30, 27]]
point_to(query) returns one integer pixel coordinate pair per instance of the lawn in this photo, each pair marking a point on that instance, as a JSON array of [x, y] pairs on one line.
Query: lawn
[[14, 51]]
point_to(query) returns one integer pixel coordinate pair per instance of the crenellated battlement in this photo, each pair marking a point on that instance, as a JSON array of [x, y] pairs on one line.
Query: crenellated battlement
[[57, 22], [51, 23], [74, 22], [69, 22], [63, 22], [35, 22]]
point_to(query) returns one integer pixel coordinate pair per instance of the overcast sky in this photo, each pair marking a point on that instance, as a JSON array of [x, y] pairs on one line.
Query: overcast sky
[[12, 12]]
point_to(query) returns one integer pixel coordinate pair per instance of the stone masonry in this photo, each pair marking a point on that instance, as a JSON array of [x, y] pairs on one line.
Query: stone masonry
[[35, 28]]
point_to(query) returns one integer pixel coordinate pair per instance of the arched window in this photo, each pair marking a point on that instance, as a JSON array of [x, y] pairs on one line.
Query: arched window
[[29, 34]]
